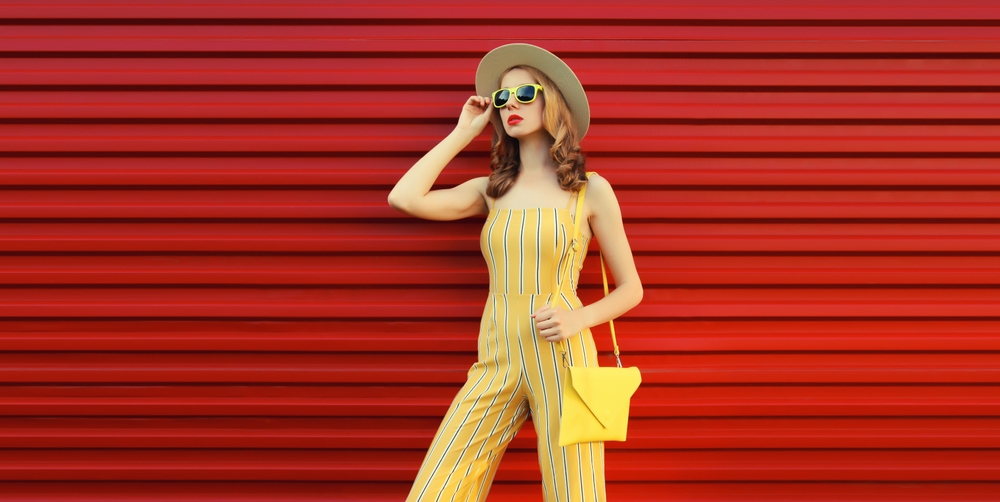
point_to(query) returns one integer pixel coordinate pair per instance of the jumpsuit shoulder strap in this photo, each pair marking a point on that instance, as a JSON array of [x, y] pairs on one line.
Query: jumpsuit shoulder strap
[[578, 197], [579, 209], [569, 203]]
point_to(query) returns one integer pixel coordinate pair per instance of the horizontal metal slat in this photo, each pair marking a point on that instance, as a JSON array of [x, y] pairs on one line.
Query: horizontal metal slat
[[342, 270], [626, 105], [735, 400], [512, 491], [422, 237], [387, 369], [454, 9], [372, 302], [416, 433], [803, 47], [470, 270], [613, 30], [635, 204], [459, 336], [298, 465], [632, 172], [385, 138], [451, 38], [451, 72]]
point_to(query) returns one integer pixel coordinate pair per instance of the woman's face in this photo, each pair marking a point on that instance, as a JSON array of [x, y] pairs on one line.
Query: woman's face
[[521, 120]]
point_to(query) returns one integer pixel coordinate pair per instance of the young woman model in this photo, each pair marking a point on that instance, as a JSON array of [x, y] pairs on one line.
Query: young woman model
[[539, 114]]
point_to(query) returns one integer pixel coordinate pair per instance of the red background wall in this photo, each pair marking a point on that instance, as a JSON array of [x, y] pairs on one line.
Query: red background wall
[[204, 296]]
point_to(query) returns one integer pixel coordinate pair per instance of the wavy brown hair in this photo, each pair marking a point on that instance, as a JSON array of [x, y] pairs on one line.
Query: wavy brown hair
[[505, 163]]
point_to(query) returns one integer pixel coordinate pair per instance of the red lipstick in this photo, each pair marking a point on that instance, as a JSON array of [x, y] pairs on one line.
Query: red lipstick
[[514, 119]]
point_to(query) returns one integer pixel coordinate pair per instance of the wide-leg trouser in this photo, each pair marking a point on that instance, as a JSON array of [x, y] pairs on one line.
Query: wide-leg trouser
[[517, 372]]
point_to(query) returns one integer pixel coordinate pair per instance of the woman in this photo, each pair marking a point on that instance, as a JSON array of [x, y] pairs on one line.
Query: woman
[[539, 114]]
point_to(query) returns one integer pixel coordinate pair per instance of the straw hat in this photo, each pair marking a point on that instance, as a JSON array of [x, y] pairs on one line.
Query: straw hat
[[499, 60]]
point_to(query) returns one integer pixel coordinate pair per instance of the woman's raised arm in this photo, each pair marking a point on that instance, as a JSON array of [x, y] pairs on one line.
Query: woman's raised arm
[[412, 193]]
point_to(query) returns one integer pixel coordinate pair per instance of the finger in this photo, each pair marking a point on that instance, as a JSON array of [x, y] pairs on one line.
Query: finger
[[541, 310], [550, 318], [477, 102], [545, 321]]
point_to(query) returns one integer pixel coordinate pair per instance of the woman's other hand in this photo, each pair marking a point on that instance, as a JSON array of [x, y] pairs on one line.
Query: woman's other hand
[[557, 324]]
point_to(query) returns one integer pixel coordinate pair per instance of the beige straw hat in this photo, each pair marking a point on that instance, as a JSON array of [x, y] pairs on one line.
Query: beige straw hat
[[499, 60]]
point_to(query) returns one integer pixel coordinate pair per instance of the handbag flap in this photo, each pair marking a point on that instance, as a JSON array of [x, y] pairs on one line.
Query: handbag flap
[[605, 390]]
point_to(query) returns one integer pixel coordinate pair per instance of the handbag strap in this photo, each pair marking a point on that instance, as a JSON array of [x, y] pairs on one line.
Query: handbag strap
[[574, 245]]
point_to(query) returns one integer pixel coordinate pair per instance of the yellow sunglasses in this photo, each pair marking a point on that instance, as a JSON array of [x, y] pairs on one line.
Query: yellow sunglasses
[[524, 93]]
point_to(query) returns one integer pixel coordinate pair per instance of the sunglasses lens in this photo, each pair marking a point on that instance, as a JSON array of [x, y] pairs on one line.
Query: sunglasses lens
[[525, 93], [500, 98]]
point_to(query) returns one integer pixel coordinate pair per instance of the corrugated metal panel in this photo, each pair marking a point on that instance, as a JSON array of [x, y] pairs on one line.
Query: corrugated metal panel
[[203, 295]]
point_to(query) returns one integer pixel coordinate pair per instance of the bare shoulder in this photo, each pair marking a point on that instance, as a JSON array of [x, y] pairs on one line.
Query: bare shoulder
[[477, 184], [601, 204], [597, 182], [480, 183], [599, 190]]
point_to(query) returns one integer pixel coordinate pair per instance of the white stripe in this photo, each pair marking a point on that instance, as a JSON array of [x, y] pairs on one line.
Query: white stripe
[[520, 239]]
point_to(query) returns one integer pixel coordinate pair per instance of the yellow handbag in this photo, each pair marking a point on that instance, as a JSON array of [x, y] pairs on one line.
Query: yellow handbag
[[595, 400]]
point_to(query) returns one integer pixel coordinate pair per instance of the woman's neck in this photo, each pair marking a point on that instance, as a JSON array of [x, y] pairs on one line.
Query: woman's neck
[[534, 152]]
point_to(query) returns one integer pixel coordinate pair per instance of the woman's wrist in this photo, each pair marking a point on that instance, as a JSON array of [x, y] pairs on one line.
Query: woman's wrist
[[586, 316], [463, 134]]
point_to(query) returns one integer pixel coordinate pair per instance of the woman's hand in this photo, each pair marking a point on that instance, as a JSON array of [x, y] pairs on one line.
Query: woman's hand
[[556, 324], [475, 115]]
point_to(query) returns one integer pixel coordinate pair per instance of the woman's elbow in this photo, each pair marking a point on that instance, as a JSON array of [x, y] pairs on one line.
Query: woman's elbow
[[398, 203]]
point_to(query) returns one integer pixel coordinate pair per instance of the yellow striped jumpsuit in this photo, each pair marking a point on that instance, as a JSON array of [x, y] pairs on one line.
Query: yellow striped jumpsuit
[[517, 370]]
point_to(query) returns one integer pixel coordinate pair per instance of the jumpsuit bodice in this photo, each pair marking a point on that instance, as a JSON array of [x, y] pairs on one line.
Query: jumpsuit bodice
[[527, 249]]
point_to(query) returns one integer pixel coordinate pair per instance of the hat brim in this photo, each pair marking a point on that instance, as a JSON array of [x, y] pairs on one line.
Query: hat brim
[[499, 60]]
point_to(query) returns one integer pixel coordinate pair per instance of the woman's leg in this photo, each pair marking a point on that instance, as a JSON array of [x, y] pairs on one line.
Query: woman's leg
[[484, 416], [573, 473]]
